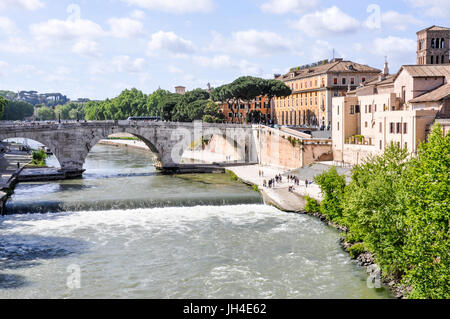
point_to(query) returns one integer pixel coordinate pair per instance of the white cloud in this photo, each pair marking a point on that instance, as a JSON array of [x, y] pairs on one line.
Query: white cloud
[[226, 62], [125, 27], [86, 47], [331, 21], [51, 31], [398, 21], [287, 6], [60, 74], [321, 50], [125, 64], [169, 42], [433, 8], [173, 69], [252, 43], [21, 4], [394, 47], [16, 45], [174, 6], [7, 26], [138, 14], [3, 66]]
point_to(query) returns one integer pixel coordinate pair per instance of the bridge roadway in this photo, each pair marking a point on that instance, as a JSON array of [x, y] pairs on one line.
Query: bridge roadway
[[72, 141]]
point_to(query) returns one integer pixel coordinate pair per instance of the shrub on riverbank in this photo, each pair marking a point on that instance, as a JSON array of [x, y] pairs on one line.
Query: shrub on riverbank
[[312, 206], [39, 158], [398, 208]]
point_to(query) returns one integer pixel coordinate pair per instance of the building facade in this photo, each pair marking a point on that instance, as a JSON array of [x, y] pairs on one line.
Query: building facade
[[236, 113], [314, 87], [398, 109], [433, 45]]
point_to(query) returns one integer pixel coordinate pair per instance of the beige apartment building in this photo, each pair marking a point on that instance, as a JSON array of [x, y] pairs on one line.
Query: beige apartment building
[[313, 88], [397, 109]]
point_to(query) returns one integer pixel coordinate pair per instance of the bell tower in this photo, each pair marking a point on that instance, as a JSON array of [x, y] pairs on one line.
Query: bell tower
[[433, 45]]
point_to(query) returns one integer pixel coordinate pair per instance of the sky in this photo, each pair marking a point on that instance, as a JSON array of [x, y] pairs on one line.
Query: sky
[[97, 48]]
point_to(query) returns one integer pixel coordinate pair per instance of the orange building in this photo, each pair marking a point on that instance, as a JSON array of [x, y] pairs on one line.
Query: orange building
[[237, 113], [313, 87]]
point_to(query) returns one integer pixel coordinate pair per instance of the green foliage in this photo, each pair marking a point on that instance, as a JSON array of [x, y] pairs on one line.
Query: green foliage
[[45, 114], [17, 111], [255, 188], [39, 158], [425, 192], [398, 207], [233, 176], [356, 250], [312, 206], [3, 103], [332, 186]]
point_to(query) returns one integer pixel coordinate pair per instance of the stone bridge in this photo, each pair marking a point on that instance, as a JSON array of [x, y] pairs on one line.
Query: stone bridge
[[71, 142]]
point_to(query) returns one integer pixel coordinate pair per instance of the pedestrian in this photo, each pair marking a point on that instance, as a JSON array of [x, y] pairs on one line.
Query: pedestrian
[[18, 165], [306, 183]]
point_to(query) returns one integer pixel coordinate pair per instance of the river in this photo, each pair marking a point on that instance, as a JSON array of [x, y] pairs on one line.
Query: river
[[125, 231]]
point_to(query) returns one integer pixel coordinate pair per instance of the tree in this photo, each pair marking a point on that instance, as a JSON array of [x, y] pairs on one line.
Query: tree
[[332, 186], [45, 113], [274, 88], [153, 101], [246, 88], [167, 106], [17, 111], [426, 195], [3, 103], [213, 113]]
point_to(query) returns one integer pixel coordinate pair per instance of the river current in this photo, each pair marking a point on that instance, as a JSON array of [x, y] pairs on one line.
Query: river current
[[125, 231]]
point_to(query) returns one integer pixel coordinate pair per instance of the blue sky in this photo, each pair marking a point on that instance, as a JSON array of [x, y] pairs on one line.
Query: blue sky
[[96, 48]]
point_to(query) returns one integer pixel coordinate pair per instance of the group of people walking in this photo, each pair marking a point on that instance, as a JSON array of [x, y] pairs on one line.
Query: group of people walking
[[271, 183]]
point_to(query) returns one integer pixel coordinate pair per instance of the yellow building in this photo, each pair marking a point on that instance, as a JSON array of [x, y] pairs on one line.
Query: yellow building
[[313, 87]]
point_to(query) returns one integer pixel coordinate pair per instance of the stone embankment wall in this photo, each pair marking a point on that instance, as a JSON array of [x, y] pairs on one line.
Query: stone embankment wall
[[280, 149]]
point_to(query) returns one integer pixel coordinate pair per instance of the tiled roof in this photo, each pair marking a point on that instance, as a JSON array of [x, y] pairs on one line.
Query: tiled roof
[[337, 66], [436, 95], [427, 70], [435, 28]]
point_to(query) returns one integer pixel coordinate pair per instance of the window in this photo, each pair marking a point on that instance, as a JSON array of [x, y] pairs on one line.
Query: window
[[391, 128], [365, 109], [338, 126], [352, 109], [352, 81], [432, 59], [370, 108], [442, 60], [363, 79], [365, 124], [399, 128], [381, 144], [230, 114], [375, 108], [406, 145], [357, 110], [338, 110], [335, 81], [343, 81], [381, 127], [405, 128]]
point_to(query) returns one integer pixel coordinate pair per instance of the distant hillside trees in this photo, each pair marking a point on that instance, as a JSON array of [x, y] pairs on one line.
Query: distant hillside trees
[[17, 111]]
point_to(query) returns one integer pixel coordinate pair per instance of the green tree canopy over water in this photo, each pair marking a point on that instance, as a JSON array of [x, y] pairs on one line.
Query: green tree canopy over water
[[398, 207]]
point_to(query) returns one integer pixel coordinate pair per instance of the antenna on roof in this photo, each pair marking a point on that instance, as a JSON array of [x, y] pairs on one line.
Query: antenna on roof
[[333, 54]]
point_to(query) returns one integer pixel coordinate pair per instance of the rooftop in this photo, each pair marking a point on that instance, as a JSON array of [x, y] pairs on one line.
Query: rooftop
[[427, 70], [334, 66], [438, 94], [434, 28]]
